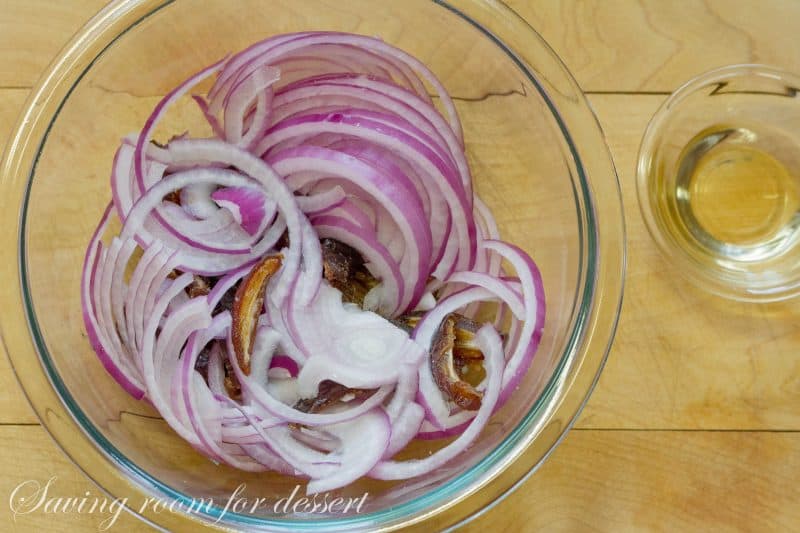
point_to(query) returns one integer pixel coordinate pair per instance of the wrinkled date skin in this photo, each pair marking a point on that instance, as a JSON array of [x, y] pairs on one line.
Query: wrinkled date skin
[[200, 286], [344, 269], [455, 362], [443, 362], [330, 392], [246, 307]]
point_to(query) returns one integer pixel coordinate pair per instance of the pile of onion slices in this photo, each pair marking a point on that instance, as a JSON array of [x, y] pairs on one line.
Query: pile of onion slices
[[315, 284]]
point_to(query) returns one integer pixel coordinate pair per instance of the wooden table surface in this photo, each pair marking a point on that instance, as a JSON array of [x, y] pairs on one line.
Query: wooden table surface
[[695, 423]]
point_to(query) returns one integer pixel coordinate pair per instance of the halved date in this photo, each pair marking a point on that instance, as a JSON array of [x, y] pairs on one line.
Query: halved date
[[451, 345], [247, 306], [328, 393], [343, 267]]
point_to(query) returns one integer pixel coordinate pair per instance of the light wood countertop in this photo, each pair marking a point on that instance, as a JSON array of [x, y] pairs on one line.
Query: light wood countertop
[[695, 423]]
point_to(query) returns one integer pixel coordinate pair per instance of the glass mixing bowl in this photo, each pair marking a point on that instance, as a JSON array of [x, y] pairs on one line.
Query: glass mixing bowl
[[539, 161]]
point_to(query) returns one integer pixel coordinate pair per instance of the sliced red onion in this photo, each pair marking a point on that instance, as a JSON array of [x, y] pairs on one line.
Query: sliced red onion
[[108, 356], [331, 98], [158, 113], [436, 210], [533, 294], [354, 150], [405, 415], [262, 454], [216, 371], [363, 443], [296, 224], [196, 199], [503, 290], [265, 51], [492, 347], [355, 348], [202, 103], [159, 360], [260, 396], [255, 87], [285, 390], [201, 259], [197, 224], [280, 439], [146, 270], [410, 101], [351, 123], [487, 262], [286, 363], [321, 203], [400, 199], [355, 214], [405, 427], [320, 368], [248, 205], [429, 395], [319, 440], [380, 261]]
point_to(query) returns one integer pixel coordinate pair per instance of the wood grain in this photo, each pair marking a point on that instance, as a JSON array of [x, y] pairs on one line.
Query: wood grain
[[615, 45], [691, 361], [659, 374], [14, 407], [29, 455], [651, 45], [658, 481], [726, 372], [32, 32], [595, 481]]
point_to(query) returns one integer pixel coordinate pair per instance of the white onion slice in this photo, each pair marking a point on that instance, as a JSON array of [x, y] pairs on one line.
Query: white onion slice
[[315, 135]]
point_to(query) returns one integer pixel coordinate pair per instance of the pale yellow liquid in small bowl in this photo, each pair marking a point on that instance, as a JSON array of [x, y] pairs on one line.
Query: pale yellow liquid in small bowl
[[742, 195], [735, 199]]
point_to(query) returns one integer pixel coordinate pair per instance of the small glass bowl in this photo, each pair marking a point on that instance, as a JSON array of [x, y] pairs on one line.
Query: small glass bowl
[[718, 180]]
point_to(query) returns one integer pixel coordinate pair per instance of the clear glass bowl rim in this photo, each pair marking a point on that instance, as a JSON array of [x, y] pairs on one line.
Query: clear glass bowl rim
[[671, 251], [455, 502]]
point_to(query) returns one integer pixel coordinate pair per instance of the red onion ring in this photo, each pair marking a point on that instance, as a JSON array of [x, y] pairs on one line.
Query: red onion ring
[[315, 135]]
